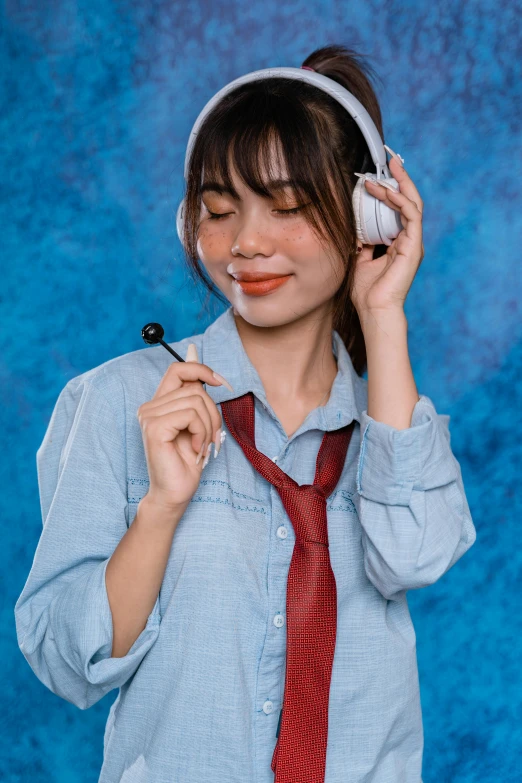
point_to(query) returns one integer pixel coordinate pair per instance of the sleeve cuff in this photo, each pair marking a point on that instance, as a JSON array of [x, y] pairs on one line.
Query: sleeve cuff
[[82, 622], [392, 463]]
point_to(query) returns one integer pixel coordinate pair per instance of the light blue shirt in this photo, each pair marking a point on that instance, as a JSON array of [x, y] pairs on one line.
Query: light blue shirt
[[201, 689]]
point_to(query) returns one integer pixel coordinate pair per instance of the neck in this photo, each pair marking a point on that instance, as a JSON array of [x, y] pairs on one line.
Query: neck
[[295, 361]]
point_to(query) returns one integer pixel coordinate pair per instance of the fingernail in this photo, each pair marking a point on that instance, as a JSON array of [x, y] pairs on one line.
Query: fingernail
[[217, 442], [395, 155], [192, 353], [223, 381], [368, 177], [386, 185], [208, 456], [220, 437], [372, 178], [200, 453]]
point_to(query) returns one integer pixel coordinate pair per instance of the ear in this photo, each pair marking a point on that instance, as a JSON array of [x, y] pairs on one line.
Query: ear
[[365, 249]]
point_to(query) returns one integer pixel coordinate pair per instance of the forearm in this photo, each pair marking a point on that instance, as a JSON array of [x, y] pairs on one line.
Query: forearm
[[135, 572], [392, 392]]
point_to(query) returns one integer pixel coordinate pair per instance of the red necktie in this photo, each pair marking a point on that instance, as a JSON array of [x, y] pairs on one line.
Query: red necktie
[[311, 598]]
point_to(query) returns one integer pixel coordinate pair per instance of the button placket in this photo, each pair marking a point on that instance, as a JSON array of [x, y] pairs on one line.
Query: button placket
[[272, 662]]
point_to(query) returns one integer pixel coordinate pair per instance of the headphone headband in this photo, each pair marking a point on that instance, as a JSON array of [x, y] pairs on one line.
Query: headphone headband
[[342, 95]]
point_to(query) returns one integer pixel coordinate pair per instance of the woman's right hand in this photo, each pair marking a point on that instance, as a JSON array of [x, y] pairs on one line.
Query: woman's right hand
[[179, 423]]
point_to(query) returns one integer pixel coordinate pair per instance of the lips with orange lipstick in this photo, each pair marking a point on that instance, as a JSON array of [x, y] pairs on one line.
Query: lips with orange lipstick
[[259, 283]]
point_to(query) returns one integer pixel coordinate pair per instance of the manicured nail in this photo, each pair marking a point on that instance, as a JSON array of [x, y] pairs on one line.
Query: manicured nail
[[192, 353], [223, 381], [200, 453], [394, 155], [208, 456], [373, 179], [220, 437], [368, 177], [386, 185]]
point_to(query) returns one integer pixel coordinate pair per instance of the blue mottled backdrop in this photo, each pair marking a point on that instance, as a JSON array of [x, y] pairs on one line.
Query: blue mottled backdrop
[[97, 100]]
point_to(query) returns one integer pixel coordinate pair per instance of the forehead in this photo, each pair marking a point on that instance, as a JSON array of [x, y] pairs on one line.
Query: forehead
[[268, 168]]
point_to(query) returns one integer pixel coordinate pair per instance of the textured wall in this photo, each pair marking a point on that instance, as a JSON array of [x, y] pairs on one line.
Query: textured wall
[[97, 100]]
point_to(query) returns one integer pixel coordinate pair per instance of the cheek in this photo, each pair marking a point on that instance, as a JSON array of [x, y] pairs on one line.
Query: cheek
[[296, 233], [320, 264], [301, 243], [298, 240], [211, 242]]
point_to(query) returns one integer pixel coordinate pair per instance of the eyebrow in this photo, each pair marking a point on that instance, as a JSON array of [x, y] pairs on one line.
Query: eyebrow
[[219, 187]]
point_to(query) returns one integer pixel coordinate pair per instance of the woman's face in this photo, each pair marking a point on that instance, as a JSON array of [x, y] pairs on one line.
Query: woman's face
[[257, 234]]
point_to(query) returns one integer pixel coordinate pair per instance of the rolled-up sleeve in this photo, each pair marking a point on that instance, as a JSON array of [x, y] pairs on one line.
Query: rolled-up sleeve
[[63, 617], [410, 498]]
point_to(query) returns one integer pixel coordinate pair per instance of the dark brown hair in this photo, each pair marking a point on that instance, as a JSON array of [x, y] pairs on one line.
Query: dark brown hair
[[321, 145]]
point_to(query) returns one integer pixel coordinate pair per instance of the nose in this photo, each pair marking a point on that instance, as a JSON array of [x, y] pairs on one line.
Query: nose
[[252, 239]]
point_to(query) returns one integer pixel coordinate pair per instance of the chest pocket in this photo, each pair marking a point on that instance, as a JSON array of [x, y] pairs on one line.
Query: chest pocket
[[213, 491], [136, 489], [341, 500], [224, 532], [221, 493]]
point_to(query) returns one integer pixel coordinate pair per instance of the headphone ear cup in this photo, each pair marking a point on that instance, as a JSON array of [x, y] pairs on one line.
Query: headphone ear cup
[[180, 221], [365, 207], [360, 223]]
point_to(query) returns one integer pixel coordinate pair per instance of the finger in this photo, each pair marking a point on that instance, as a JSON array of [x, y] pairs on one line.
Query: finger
[[196, 389], [163, 429], [188, 389], [411, 217], [184, 398], [179, 372], [192, 356], [396, 200], [406, 184]]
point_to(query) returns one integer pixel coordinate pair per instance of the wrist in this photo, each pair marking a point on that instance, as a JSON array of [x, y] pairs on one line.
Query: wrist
[[385, 318], [157, 510]]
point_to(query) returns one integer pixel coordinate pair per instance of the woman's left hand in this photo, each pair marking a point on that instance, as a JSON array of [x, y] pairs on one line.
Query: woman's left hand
[[383, 283]]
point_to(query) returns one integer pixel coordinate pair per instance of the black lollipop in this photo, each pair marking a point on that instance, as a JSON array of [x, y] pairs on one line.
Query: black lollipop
[[153, 333]]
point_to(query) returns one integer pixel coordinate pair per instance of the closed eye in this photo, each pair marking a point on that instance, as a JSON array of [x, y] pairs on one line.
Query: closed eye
[[217, 215]]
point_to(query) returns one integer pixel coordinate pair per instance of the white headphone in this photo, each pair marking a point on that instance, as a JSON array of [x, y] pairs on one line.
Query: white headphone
[[376, 223]]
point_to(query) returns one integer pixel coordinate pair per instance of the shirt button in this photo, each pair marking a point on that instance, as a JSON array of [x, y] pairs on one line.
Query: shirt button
[[279, 620], [274, 459], [268, 707], [281, 531]]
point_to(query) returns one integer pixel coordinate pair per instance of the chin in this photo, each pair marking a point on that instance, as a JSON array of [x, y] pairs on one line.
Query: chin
[[260, 312]]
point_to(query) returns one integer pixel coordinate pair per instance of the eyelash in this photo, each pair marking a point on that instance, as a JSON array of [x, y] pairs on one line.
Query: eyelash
[[217, 216]]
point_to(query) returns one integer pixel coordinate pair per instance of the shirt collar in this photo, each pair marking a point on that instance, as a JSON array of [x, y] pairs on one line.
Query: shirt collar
[[223, 351]]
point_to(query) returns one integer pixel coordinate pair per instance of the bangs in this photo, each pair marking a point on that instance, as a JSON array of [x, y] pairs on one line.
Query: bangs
[[264, 148]]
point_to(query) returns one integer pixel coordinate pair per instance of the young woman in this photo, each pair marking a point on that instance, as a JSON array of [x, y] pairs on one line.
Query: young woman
[[185, 580]]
